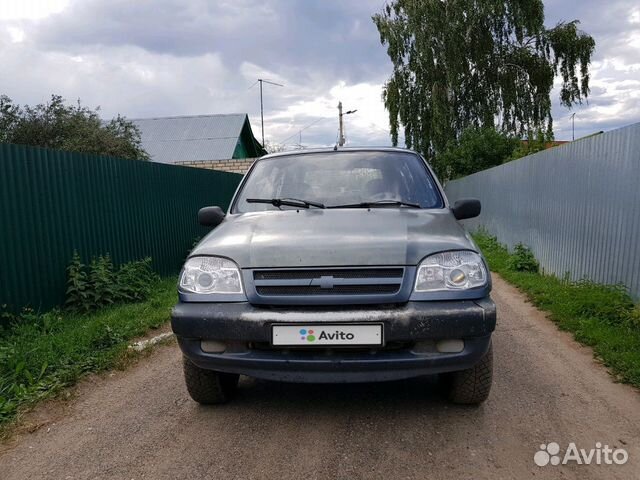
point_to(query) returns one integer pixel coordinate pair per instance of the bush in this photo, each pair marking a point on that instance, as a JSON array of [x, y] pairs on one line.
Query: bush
[[135, 280], [102, 285], [523, 260], [477, 149], [73, 128]]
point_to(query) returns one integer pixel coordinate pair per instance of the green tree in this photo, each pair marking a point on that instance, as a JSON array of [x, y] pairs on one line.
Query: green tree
[[468, 63], [68, 127], [476, 149]]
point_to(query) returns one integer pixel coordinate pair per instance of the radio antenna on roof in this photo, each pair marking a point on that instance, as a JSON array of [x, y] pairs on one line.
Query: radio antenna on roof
[[261, 81]]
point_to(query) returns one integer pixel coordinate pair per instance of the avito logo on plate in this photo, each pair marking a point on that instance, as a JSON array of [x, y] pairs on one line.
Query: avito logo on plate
[[307, 335], [334, 334], [324, 335]]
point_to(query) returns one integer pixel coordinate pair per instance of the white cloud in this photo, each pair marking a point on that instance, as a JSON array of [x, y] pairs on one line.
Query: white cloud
[[16, 33], [30, 9], [634, 41], [126, 80]]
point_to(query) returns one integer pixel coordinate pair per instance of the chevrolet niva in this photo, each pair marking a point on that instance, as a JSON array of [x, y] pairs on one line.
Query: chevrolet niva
[[334, 265]]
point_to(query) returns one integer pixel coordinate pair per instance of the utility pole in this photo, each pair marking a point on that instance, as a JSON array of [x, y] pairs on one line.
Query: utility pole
[[261, 112], [573, 126], [341, 127], [341, 138], [261, 80]]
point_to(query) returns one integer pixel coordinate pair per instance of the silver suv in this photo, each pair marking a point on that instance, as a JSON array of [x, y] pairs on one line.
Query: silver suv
[[337, 266]]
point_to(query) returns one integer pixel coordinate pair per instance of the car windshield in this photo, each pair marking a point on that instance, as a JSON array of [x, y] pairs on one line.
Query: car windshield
[[340, 178]]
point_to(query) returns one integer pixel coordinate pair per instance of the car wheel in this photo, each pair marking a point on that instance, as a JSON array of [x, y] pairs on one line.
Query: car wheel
[[209, 387], [471, 386]]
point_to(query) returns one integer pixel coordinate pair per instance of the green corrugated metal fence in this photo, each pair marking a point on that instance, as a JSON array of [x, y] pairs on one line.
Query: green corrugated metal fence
[[54, 202]]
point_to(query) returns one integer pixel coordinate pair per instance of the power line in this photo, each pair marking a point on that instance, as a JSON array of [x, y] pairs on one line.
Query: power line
[[304, 128], [388, 132]]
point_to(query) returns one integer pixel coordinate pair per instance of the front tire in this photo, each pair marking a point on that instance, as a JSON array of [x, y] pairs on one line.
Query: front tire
[[209, 387], [471, 386]]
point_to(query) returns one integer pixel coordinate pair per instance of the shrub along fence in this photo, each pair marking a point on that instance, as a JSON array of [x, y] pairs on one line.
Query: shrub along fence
[[577, 206], [54, 202]]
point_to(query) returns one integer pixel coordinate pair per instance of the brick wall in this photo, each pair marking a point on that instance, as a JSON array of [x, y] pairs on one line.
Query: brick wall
[[239, 165]]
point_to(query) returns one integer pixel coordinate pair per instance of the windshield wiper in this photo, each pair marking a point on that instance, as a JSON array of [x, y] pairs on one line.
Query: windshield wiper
[[378, 203], [289, 202]]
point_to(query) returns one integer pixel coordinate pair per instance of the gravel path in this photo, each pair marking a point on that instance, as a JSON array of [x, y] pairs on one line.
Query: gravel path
[[141, 423]]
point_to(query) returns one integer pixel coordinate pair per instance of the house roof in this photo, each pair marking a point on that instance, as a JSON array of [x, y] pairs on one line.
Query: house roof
[[196, 138]]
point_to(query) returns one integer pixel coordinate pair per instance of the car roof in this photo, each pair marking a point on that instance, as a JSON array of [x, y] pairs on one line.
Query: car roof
[[340, 149]]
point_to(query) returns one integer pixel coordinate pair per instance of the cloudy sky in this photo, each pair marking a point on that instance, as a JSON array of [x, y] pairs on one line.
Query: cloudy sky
[[148, 58]]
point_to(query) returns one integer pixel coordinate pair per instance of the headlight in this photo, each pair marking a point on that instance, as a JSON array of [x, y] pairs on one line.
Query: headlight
[[210, 275], [451, 271]]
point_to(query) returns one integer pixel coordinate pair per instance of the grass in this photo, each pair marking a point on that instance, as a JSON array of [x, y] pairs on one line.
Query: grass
[[603, 317], [44, 353]]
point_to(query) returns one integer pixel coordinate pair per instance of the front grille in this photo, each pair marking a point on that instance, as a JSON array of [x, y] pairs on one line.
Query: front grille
[[328, 281], [337, 290], [336, 273]]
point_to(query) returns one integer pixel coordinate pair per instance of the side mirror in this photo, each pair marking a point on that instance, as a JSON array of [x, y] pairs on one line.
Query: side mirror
[[466, 208], [210, 216]]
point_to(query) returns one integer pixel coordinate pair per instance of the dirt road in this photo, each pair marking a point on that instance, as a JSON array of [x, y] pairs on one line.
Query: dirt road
[[141, 424]]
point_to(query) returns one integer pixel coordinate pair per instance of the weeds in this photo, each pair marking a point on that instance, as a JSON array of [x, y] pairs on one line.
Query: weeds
[[523, 259], [78, 294], [100, 284]]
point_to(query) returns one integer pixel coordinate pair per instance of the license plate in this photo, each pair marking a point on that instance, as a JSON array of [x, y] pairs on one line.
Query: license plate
[[327, 335]]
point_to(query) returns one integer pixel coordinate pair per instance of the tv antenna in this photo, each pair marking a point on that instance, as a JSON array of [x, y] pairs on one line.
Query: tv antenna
[[573, 126], [261, 81]]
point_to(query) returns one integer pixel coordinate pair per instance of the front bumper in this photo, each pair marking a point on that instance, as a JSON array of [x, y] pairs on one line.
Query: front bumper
[[248, 328]]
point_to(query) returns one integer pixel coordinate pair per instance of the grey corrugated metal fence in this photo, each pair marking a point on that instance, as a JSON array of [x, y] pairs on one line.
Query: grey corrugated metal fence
[[577, 206], [54, 202]]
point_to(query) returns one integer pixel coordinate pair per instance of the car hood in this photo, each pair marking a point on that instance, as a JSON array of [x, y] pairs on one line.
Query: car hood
[[341, 237]]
